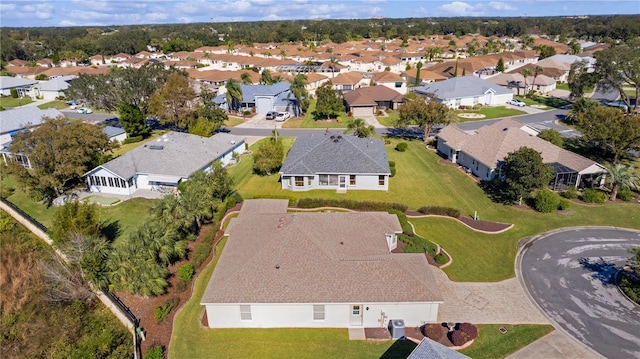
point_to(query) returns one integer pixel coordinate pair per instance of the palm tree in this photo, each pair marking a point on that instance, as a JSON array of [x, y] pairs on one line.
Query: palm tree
[[359, 128], [234, 94], [620, 176], [538, 70], [298, 88], [525, 73], [265, 77], [246, 78]]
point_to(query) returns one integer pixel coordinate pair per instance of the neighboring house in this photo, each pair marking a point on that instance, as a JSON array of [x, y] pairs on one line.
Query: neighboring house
[[262, 98], [426, 76], [317, 270], [165, 162], [515, 81], [430, 349], [467, 91], [365, 101], [336, 162], [22, 85], [348, 81], [20, 119], [117, 134], [483, 153], [51, 89], [390, 80]]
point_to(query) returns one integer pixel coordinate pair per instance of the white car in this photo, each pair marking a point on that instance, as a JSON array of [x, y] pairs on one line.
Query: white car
[[516, 102], [84, 110], [282, 116]]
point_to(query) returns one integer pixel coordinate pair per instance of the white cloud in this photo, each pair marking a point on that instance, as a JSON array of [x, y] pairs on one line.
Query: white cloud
[[7, 7], [501, 6], [459, 8]]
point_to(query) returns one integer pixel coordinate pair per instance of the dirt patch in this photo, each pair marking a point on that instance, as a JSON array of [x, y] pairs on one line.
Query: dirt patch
[[144, 307]]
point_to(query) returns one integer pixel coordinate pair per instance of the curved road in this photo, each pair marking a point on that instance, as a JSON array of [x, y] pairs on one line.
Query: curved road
[[568, 274]]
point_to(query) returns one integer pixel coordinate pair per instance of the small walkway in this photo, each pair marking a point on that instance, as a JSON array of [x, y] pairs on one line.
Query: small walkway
[[554, 345], [357, 334]]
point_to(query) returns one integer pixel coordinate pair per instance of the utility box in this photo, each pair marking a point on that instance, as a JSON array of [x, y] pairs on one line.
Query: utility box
[[396, 328]]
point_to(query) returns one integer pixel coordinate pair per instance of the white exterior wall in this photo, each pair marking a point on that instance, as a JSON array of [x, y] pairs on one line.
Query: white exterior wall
[[392, 85], [227, 158], [479, 169], [107, 189], [337, 315], [483, 99], [363, 182]]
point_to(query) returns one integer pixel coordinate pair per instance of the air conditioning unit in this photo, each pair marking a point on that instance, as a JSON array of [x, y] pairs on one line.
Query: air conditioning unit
[[396, 328]]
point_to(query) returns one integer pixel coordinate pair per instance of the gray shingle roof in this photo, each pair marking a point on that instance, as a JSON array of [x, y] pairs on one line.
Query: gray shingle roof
[[23, 117], [59, 83], [316, 154], [462, 86], [279, 257], [112, 131], [182, 154], [7, 82], [429, 349], [249, 92]]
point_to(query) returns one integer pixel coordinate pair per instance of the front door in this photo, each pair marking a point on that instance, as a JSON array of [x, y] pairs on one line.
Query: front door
[[342, 181], [356, 315]]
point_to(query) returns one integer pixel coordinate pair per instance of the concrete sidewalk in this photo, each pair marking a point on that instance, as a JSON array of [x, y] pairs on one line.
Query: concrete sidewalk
[[554, 345]]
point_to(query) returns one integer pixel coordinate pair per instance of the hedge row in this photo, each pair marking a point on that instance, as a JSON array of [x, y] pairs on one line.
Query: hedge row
[[441, 211], [350, 204]]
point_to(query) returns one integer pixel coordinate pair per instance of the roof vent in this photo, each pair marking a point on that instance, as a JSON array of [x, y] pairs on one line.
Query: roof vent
[[332, 137], [339, 137], [277, 266], [506, 128], [156, 147]]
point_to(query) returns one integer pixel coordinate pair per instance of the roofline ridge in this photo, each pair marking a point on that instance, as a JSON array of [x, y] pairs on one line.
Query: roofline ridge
[[366, 154]]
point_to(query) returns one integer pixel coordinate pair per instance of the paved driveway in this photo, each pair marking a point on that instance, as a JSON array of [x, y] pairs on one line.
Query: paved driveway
[[568, 275]]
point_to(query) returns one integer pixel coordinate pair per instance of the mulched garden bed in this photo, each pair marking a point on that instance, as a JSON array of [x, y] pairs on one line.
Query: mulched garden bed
[[383, 333]]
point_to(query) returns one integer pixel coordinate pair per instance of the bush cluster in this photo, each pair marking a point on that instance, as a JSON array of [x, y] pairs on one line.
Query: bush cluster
[[571, 193], [591, 195], [441, 211], [546, 201], [464, 332], [626, 195], [350, 204], [392, 168], [435, 332], [564, 204], [156, 352], [133, 139], [401, 146], [161, 312], [185, 272]]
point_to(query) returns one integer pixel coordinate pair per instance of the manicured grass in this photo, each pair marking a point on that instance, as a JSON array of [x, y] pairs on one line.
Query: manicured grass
[[233, 121], [10, 102], [491, 344], [490, 112], [421, 180], [37, 210], [190, 340], [309, 122], [57, 104], [127, 215], [389, 121], [548, 102], [565, 86]]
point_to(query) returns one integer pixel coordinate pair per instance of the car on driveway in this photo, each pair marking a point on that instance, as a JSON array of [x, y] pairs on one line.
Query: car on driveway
[[516, 102], [271, 115], [282, 116], [84, 110]]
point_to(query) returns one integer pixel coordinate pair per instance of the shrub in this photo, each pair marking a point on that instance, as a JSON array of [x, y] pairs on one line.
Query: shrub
[[185, 272], [626, 195], [571, 193], [434, 332], [401, 146], [14, 93], [440, 258], [246, 112], [393, 171], [351, 204], [200, 255], [6, 191], [546, 201], [468, 328], [133, 139], [155, 352], [591, 195], [459, 338], [161, 312], [441, 211], [392, 163], [564, 204]]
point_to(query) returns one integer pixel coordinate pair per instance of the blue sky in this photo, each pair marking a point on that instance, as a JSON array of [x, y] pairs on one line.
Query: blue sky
[[130, 12]]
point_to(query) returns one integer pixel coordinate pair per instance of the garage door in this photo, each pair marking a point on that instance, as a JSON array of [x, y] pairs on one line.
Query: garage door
[[263, 104], [362, 111]]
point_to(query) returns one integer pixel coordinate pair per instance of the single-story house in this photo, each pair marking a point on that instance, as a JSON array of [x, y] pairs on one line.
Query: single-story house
[[366, 100], [51, 89], [390, 80], [165, 162], [21, 85], [430, 349], [337, 162], [516, 82], [349, 81], [317, 270], [263, 98], [13, 121], [117, 134], [467, 91], [483, 152]]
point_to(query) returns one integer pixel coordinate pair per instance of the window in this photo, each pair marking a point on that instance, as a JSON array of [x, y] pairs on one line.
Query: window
[[309, 180], [245, 312], [323, 180], [110, 180], [381, 180], [318, 312], [103, 181], [476, 100], [333, 180], [328, 180], [352, 180], [355, 310], [398, 84], [299, 181], [458, 102]]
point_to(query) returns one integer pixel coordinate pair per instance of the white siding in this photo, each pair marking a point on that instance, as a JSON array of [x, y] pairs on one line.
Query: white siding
[[363, 182], [337, 315], [107, 189]]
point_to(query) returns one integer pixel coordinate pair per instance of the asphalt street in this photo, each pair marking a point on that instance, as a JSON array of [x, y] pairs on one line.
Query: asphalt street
[[568, 274]]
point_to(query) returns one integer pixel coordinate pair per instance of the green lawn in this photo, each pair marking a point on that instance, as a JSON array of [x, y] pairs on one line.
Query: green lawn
[[233, 121], [57, 104], [10, 102], [548, 103], [421, 180], [491, 344], [308, 121], [490, 112], [389, 121]]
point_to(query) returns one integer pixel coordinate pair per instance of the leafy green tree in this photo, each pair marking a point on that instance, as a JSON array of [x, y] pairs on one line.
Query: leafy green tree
[[204, 192], [266, 78], [620, 176], [298, 88], [210, 116], [580, 106], [359, 128], [433, 52], [575, 47], [552, 136], [610, 130], [75, 217], [233, 95], [418, 68], [536, 71], [523, 172], [525, 72], [424, 113], [329, 103], [245, 77], [500, 65], [619, 66], [174, 102], [579, 79], [132, 119], [545, 51], [60, 152], [269, 157]]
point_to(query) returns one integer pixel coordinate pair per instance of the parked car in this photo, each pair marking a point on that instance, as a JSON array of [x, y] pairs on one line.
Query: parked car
[[282, 116], [516, 102], [84, 110], [271, 115]]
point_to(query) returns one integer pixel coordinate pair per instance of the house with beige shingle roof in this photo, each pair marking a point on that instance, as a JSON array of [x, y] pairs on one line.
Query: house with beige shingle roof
[[390, 80], [317, 270], [348, 81], [483, 152], [365, 101]]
